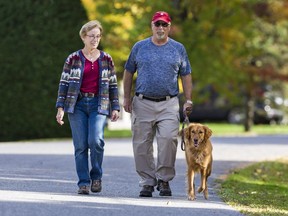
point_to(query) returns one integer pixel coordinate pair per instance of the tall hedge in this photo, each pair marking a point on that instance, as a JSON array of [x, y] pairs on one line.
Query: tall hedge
[[35, 39]]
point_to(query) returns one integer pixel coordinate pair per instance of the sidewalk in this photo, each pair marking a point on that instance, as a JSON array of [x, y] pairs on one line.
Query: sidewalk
[[39, 178]]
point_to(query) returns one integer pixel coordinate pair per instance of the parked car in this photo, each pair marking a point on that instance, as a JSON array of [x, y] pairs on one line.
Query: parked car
[[219, 109]]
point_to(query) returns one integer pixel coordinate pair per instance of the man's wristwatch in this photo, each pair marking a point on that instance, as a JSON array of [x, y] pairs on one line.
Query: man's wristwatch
[[189, 102]]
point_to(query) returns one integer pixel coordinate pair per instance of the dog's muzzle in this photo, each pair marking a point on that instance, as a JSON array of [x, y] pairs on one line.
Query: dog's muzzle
[[195, 142]]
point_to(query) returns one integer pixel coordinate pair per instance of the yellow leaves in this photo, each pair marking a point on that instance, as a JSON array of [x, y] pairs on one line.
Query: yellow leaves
[[118, 5], [232, 35], [279, 9], [206, 25], [232, 38], [90, 7], [122, 23]]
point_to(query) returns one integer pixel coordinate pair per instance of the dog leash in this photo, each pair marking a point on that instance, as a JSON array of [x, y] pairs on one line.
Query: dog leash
[[186, 121]]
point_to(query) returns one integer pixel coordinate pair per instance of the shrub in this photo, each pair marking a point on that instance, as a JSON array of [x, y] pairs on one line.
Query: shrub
[[36, 37]]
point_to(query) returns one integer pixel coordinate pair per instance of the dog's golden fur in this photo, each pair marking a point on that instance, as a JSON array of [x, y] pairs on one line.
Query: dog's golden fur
[[198, 152]]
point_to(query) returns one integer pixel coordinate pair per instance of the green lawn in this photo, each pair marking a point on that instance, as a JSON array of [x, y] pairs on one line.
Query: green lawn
[[260, 189], [233, 129], [219, 129]]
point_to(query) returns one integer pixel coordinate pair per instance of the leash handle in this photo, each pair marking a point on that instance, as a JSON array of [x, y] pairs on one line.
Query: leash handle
[[182, 139], [188, 111]]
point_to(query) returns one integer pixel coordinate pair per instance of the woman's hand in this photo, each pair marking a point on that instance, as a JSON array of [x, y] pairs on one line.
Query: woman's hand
[[114, 116], [60, 115]]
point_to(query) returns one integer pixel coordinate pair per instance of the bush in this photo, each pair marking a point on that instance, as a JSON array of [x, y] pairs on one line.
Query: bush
[[36, 38]]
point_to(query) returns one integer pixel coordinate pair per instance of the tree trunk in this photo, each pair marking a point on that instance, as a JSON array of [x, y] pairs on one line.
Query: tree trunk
[[249, 113]]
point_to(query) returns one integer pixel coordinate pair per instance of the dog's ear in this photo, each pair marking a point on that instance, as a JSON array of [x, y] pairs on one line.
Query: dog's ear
[[208, 132], [187, 133]]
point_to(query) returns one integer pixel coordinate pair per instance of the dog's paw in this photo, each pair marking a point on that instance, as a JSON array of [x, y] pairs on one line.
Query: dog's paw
[[206, 194], [191, 197], [200, 189]]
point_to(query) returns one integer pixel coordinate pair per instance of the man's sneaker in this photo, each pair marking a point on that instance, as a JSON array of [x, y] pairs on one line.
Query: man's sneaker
[[164, 188], [83, 189], [146, 191], [96, 186]]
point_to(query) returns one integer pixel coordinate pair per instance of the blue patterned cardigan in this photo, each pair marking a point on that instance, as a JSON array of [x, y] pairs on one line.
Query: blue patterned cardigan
[[71, 80]]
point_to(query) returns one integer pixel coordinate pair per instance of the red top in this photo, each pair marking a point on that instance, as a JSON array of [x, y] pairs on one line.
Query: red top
[[90, 77]]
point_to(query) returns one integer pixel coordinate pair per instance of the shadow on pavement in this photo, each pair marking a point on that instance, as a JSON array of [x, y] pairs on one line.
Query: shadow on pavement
[[46, 185]]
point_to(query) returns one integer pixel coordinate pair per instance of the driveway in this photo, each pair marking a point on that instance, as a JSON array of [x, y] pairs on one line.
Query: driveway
[[38, 178]]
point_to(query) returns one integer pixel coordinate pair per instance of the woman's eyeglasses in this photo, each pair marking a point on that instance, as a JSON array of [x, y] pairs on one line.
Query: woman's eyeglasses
[[163, 24], [94, 36]]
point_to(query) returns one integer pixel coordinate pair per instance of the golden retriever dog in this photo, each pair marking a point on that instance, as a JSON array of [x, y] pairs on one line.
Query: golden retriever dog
[[198, 152]]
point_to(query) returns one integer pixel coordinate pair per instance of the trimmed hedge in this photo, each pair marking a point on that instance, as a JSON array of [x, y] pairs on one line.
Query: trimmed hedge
[[36, 37]]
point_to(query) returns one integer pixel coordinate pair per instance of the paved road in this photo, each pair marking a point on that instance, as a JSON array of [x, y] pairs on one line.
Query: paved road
[[38, 179]]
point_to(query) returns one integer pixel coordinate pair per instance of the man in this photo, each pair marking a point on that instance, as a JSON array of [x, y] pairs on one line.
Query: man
[[158, 60]]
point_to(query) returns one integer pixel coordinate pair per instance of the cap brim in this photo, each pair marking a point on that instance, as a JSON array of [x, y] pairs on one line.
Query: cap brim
[[161, 19]]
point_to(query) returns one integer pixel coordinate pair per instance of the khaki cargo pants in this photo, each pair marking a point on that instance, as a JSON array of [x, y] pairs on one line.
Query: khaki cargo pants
[[158, 120]]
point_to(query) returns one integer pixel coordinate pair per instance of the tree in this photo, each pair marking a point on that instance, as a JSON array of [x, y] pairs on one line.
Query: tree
[[221, 37], [240, 43], [267, 60]]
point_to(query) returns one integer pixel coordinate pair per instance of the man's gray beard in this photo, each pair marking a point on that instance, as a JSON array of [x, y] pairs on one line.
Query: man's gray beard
[[160, 37]]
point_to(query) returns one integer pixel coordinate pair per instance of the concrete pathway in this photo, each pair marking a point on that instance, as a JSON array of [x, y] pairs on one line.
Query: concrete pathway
[[38, 178]]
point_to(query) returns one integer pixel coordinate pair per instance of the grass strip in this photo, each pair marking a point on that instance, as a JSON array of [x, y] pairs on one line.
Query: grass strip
[[219, 129], [260, 189]]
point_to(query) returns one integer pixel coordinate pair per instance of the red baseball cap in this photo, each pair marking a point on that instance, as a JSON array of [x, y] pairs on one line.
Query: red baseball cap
[[161, 15]]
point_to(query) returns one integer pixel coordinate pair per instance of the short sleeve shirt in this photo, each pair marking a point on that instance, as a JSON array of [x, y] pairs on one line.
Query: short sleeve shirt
[[158, 67]]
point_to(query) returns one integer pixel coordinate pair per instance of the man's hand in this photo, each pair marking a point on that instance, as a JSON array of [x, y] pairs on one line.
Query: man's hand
[[127, 104], [187, 108]]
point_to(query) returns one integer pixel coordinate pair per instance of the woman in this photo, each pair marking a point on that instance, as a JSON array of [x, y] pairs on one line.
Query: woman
[[88, 92]]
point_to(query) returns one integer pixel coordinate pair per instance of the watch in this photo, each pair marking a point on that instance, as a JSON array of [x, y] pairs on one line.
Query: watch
[[189, 102]]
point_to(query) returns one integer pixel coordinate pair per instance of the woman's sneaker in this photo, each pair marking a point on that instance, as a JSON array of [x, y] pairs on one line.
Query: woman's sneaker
[[83, 189], [96, 186]]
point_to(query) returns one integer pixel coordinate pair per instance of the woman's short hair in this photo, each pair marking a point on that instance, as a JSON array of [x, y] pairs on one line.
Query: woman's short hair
[[89, 26]]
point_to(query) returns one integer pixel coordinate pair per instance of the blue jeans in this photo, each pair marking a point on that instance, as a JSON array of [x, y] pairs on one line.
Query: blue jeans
[[87, 128]]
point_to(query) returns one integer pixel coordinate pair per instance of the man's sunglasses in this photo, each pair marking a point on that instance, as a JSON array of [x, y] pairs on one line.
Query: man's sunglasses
[[163, 24]]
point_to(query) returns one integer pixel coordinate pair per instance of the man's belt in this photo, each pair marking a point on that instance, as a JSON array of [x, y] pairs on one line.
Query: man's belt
[[165, 98]]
